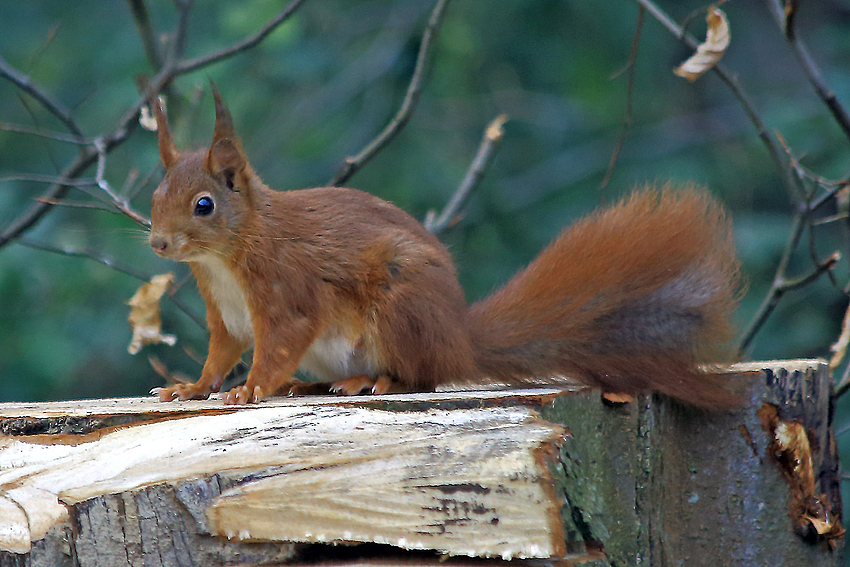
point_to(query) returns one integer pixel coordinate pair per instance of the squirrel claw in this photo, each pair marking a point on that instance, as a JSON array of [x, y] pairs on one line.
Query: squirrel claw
[[164, 394], [180, 392], [353, 386], [242, 395]]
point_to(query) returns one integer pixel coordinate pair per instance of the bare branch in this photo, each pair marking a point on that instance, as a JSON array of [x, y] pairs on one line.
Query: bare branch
[[39, 178], [792, 185], [781, 283], [146, 32], [244, 45], [58, 136], [810, 68], [108, 207], [37, 210], [178, 46], [414, 89], [52, 105], [125, 126], [627, 118], [111, 263], [138, 185], [492, 136], [120, 202]]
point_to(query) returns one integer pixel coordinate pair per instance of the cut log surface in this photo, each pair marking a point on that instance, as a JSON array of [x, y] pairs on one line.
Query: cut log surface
[[508, 474]]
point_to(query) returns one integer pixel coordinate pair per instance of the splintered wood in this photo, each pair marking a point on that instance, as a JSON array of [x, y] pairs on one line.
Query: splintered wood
[[469, 482], [569, 477]]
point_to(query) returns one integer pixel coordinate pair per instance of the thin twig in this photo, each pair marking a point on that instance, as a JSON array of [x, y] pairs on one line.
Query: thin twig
[[781, 284], [126, 125], [97, 205], [630, 83], [120, 202], [111, 263], [40, 178], [181, 32], [352, 164], [139, 185], [803, 175], [492, 136], [794, 189], [141, 17], [244, 45], [58, 136], [52, 105], [810, 68], [775, 294]]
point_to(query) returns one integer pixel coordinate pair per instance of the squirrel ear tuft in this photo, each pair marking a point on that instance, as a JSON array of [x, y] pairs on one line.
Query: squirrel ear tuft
[[167, 151], [223, 121]]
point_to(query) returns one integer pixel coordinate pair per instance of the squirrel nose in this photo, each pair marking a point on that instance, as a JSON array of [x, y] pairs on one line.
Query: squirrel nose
[[159, 244]]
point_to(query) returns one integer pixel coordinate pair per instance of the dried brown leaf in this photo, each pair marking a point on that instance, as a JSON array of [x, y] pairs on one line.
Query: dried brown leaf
[[793, 443], [617, 399], [839, 349], [144, 314], [821, 526], [495, 129], [710, 51], [147, 119]]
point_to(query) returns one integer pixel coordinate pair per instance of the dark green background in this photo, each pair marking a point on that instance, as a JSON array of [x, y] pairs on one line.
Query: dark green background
[[326, 82]]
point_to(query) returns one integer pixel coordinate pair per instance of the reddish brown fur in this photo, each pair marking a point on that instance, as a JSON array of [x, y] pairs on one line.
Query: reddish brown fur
[[344, 283], [631, 299]]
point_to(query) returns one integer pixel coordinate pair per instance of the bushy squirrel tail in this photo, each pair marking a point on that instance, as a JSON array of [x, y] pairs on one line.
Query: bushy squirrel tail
[[630, 299]]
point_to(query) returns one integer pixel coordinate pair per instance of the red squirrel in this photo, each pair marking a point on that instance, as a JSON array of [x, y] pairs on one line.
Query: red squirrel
[[355, 291]]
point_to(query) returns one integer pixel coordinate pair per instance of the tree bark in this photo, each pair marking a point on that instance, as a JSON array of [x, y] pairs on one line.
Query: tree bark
[[421, 479]]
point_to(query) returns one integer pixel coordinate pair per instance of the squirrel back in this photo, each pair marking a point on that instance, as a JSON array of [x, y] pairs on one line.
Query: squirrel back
[[629, 299]]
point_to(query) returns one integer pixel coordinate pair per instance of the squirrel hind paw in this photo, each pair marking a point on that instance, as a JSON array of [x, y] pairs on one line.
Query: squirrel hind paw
[[243, 395], [359, 384]]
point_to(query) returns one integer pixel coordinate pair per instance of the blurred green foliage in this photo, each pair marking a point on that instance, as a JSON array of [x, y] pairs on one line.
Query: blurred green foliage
[[326, 82]]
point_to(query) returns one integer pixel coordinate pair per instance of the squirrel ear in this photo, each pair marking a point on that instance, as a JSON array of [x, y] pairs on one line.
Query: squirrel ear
[[225, 156], [167, 151], [225, 153]]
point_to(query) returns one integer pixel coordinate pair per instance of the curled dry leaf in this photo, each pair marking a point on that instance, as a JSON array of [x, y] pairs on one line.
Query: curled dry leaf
[[790, 449], [710, 51], [147, 119], [495, 129], [617, 399], [839, 349], [144, 314]]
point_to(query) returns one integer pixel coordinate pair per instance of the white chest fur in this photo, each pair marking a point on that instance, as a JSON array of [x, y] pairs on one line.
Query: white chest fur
[[229, 298]]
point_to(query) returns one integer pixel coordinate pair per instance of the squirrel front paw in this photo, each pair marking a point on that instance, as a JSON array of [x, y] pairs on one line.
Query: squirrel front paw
[[241, 395], [181, 392]]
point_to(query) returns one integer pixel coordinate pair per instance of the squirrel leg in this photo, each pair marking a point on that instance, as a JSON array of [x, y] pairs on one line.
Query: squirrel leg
[[224, 353], [277, 350]]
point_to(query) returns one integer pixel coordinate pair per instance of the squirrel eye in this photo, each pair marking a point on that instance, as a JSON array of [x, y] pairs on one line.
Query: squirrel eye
[[204, 206]]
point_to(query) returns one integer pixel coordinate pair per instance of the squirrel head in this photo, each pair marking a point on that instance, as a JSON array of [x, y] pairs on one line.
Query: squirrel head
[[205, 196]]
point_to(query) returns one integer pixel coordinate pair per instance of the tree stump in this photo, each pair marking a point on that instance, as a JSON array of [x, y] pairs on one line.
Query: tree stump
[[428, 479]]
